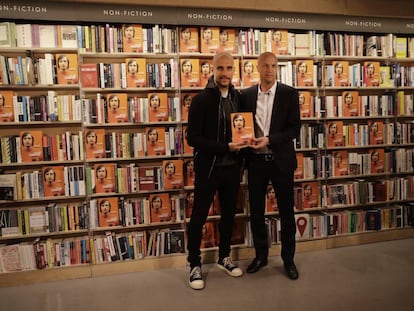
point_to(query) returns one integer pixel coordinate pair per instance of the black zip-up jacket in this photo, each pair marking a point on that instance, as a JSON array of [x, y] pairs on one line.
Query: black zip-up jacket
[[203, 126]]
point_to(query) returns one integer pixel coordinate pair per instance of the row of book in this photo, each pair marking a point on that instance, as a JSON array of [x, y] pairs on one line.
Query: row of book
[[120, 108], [138, 38], [373, 132], [33, 146], [44, 219], [55, 253], [313, 226]]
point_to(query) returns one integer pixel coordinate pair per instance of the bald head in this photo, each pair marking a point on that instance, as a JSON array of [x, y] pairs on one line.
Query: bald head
[[223, 68], [267, 67]]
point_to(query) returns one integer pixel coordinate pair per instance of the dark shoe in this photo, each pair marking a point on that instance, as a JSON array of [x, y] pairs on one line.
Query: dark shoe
[[292, 272], [256, 265]]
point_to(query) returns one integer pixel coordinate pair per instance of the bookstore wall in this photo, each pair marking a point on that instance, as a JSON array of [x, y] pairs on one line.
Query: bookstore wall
[[95, 167]]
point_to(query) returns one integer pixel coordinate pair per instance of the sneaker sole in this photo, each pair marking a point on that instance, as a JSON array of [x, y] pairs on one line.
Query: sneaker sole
[[196, 284], [231, 273]]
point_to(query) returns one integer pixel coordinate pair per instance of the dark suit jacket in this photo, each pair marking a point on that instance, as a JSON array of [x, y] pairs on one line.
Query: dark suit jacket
[[285, 123]]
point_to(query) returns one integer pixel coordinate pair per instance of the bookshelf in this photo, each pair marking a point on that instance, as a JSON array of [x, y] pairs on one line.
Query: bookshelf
[[95, 100]]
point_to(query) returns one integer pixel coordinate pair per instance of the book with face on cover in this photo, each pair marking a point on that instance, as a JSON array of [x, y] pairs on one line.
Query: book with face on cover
[[158, 107], [136, 72], [371, 73], [305, 104], [6, 106], [189, 72], [350, 104], [189, 39], [155, 141], [310, 194], [31, 145], [108, 212], [250, 75], [209, 39], [341, 73], [242, 127], [160, 207], [117, 107], [53, 181], [227, 40], [132, 38], [304, 72], [95, 143], [67, 68], [279, 41], [173, 174], [105, 177]]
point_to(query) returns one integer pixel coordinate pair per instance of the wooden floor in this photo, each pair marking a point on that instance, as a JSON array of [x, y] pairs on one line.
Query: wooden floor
[[377, 276]]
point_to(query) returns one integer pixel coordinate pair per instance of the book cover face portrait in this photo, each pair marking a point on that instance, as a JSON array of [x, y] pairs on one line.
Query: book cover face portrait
[[132, 38], [67, 68], [117, 108], [31, 146], [6, 106]]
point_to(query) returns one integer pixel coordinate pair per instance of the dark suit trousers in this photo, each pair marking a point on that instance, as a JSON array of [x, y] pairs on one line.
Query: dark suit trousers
[[226, 181], [261, 169]]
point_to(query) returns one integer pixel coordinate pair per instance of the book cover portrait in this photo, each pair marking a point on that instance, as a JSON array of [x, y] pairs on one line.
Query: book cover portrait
[[173, 174], [310, 194], [67, 68], [158, 107], [279, 41], [227, 40], [186, 99], [242, 127], [335, 134], [189, 39], [371, 73], [132, 38], [209, 39], [155, 141], [341, 69], [108, 212], [53, 181], [250, 75], [136, 72], [31, 148], [160, 207], [304, 69], [6, 106], [105, 179], [350, 104], [95, 143], [305, 105], [117, 105], [190, 72]]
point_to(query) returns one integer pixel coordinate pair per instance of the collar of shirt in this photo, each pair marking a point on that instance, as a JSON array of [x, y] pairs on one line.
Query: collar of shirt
[[271, 91]]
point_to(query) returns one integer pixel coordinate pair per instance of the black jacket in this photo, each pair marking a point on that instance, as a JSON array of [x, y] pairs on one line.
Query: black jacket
[[285, 122], [203, 126]]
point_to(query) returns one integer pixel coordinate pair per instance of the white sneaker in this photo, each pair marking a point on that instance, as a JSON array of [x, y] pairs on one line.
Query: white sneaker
[[227, 265], [196, 278]]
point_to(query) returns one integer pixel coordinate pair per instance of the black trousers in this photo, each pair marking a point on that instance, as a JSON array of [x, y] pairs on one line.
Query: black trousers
[[261, 169], [226, 181]]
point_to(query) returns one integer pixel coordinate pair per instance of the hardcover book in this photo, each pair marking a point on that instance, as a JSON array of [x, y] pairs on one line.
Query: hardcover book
[[105, 178], [67, 68], [53, 181], [279, 41], [136, 72], [310, 194], [209, 39], [132, 38], [227, 40], [304, 72], [117, 107], [376, 134], [147, 178], [89, 75], [6, 106], [68, 36], [95, 143], [190, 76], [206, 70], [242, 127], [158, 107], [155, 141], [186, 99], [350, 104], [305, 104], [173, 174], [160, 207], [271, 200], [371, 73], [250, 75], [341, 73], [340, 163], [31, 145], [189, 39], [377, 160], [108, 212], [335, 136]]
